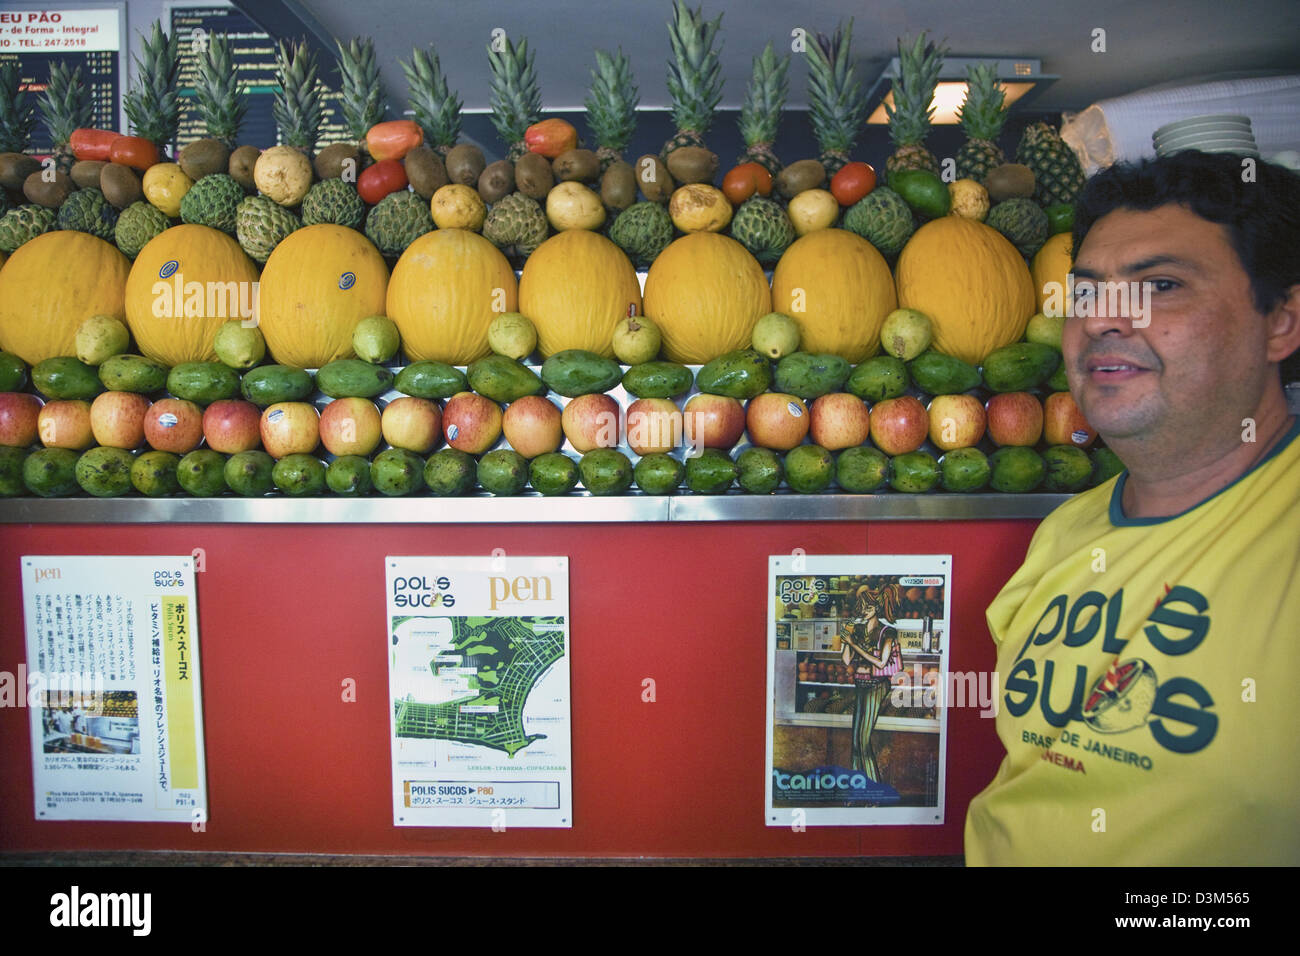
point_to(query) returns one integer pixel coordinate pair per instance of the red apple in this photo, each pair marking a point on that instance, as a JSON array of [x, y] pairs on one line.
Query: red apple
[[65, 423], [839, 420], [412, 423], [1014, 418], [232, 425], [591, 421], [533, 425], [713, 421], [174, 425], [19, 418], [471, 422], [117, 418], [350, 426], [1063, 422], [653, 425], [899, 425], [776, 420], [956, 421], [290, 428]]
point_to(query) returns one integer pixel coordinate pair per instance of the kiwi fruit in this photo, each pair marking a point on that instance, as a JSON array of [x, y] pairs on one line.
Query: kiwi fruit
[[465, 164], [693, 164], [120, 185], [534, 176], [425, 171], [577, 166], [86, 173], [1009, 181], [333, 160], [241, 166], [497, 181], [50, 194], [203, 157], [618, 186], [15, 168], [795, 178], [653, 179]]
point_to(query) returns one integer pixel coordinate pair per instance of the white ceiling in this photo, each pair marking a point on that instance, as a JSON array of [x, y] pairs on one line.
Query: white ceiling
[[1146, 43]]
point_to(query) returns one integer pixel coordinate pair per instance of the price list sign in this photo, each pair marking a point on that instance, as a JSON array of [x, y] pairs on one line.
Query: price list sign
[[90, 38], [253, 53]]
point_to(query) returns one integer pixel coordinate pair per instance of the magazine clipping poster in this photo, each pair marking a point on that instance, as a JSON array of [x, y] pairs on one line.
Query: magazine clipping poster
[[478, 674], [857, 668]]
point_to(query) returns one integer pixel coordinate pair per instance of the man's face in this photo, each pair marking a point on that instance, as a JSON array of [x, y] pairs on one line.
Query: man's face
[[1199, 366]]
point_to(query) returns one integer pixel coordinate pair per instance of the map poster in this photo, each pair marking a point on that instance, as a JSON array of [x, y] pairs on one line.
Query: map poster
[[111, 682], [858, 689], [478, 676]]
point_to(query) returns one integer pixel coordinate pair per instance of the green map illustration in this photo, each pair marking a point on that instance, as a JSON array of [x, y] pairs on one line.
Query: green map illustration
[[502, 659]]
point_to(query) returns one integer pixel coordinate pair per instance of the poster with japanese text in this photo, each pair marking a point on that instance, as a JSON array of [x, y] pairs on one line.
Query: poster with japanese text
[[112, 682], [479, 685], [857, 689]]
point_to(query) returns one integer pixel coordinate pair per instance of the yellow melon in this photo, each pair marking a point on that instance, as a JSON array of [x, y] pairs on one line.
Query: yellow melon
[[971, 282], [444, 292], [52, 284], [318, 283], [185, 284], [705, 292], [576, 287], [1052, 264], [838, 288]]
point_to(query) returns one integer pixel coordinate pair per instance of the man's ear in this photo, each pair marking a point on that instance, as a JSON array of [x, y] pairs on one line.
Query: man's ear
[[1284, 326]]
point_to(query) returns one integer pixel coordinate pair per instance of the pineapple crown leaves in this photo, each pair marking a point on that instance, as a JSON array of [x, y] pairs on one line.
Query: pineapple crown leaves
[[152, 104], [17, 115], [911, 112], [768, 84], [515, 100], [65, 105], [297, 106], [220, 101], [982, 114], [836, 103], [437, 108], [694, 74], [611, 104], [363, 94]]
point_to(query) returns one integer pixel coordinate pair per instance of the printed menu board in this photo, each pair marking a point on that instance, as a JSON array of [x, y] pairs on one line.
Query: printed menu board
[[88, 37]]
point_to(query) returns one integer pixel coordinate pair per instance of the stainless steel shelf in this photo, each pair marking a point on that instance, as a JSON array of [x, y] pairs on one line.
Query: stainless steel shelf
[[525, 509]]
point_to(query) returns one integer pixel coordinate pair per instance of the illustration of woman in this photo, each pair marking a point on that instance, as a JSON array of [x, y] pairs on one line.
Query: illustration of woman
[[871, 650]]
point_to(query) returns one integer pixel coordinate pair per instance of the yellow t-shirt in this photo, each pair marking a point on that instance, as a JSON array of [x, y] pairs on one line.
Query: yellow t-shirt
[[1149, 683]]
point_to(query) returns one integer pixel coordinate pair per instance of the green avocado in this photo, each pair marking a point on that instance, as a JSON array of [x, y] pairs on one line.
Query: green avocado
[[105, 472], [658, 474], [66, 377], [760, 471], [553, 473]]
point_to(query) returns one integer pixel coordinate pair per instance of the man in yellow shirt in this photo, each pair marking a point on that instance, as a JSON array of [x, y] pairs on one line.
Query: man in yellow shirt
[[1149, 646]]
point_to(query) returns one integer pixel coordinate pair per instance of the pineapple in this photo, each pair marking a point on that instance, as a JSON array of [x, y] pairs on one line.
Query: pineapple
[[219, 93], [152, 104], [1058, 174], [909, 117], [436, 108], [297, 107], [65, 106], [982, 116], [694, 76], [16, 117], [761, 112], [363, 94], [836, 104], [611, 106], [515, 100]]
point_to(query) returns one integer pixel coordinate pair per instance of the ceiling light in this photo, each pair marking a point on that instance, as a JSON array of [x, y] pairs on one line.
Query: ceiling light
[[1022, 81]]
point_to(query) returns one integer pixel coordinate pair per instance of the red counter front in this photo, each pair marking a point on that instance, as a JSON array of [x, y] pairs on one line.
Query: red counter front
[[289, 612]]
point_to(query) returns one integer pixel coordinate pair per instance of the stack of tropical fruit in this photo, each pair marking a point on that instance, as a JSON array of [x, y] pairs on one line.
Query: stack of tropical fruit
[[388, 262]]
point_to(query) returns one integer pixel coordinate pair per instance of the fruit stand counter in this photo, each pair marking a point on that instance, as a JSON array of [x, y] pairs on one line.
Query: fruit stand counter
[[291, 603]]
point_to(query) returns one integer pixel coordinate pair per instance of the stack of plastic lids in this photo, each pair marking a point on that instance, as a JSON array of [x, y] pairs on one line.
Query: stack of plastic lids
[[1224, 133]]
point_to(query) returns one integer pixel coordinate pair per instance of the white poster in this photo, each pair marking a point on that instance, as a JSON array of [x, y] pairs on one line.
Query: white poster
[[113, 686], [857, 689], [479, 685]]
